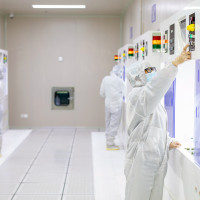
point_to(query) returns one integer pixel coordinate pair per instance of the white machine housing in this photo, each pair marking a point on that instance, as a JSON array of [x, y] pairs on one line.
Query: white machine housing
[[124, 61], [175, 34], [182, 180], [145, 51], [185, 101], [3, 90], [136, 47], [124, 58], [150, 47]]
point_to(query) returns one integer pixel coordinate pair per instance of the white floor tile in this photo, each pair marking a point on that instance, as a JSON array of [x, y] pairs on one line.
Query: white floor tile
[[78, 197], [10, 178], [45, 178], [37, 197], [8, 188], [40, 188], [92, 171], [5, 197], [80, 177], [54, 156], [79, 188], [108, 170], [48, 170]]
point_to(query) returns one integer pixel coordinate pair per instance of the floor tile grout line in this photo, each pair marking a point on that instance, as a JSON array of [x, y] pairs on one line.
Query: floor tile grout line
[[68, 164], [42, 146], [93, 166]]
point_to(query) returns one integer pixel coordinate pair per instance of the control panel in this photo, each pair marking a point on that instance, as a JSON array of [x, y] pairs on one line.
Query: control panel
[[137, 51], [165, 42], [142, 45], [172, 39], [191, 29]]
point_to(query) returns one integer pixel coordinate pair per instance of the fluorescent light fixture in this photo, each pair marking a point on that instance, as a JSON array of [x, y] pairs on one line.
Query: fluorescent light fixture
[[192, 8], [58, 6]]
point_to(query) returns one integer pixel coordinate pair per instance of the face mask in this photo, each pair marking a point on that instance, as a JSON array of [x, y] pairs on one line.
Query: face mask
[[149, 76]]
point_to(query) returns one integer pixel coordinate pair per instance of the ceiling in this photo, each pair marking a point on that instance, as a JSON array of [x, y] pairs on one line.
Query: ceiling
[[93, 7]]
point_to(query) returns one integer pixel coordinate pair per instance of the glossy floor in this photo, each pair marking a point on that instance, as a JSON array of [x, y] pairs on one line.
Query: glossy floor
[[11, 140], [60, 164]]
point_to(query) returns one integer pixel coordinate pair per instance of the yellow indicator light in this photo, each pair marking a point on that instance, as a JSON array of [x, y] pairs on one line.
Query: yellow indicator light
[[143, 49], [124, 55], [191, 27], [116, 57], [130, 52], [156, 42]]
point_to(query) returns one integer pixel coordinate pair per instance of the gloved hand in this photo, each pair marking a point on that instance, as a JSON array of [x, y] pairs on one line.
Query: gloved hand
[[174, 145], [185, 55]]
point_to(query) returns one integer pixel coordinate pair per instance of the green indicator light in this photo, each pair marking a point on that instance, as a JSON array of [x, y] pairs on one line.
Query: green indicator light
[[191, 36], [156, 46]]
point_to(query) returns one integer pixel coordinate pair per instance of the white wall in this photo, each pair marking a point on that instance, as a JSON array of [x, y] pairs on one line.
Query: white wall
[[87, 44], [132, 18], [1, 32]]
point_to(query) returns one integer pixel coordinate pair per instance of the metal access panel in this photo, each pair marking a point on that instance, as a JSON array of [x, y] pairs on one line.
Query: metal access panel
[[62, 98], [172, 39]]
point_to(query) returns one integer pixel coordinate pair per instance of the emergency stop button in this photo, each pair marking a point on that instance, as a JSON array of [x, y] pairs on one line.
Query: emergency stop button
[[191, 27]]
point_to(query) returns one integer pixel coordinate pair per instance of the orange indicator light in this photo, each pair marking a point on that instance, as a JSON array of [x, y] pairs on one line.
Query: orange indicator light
[[156, 42]]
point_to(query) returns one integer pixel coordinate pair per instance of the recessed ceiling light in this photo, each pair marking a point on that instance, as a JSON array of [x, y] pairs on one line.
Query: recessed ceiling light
[[192, 8], [58, 6]]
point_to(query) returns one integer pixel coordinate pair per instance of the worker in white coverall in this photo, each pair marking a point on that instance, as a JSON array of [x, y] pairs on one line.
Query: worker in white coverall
[[149, 143], [112, 89]]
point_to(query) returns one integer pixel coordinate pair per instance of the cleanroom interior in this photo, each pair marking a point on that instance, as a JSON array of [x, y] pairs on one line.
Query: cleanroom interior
[[57, 152]]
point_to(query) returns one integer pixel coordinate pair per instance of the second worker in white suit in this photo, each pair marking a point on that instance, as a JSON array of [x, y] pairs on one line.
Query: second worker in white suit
[[149, 143], [112, 89]]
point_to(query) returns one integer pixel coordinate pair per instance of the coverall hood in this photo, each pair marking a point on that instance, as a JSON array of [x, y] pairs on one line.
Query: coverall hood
[[136, 74], [116, 70]]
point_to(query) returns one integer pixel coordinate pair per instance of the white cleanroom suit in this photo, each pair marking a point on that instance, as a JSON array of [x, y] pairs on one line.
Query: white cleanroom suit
[[1, 114], [148, 143], [112, 89]]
